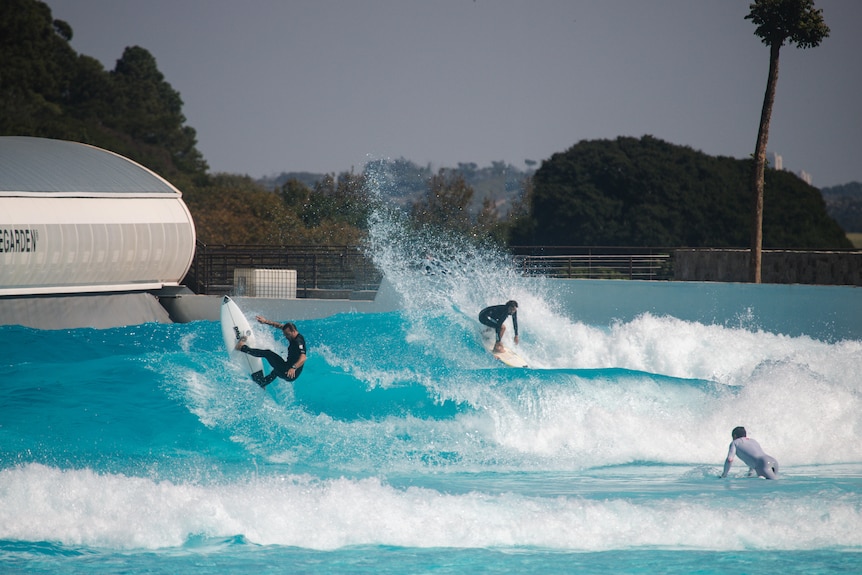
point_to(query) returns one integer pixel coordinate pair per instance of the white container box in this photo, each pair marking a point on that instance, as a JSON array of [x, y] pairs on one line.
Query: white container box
[[271, 283]]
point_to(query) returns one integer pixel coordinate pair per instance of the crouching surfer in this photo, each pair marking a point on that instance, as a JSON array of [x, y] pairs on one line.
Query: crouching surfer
[[751, 454], [289, 368], [494, 316]]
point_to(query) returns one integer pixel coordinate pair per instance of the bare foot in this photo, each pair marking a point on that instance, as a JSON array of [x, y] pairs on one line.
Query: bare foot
[[240, 343]]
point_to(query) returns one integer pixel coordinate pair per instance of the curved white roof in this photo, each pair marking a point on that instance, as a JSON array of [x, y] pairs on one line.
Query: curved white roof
[[79, 219], [44, 167]]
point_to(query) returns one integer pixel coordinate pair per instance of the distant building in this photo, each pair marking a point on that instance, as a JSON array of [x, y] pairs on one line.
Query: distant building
[[777, 162]]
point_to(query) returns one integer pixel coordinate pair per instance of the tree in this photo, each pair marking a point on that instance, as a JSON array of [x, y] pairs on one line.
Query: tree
[[36, 64], [150, 110], [294, 194], [335, 212], [777, 21], [348, 199], [520, 226], [232, 209], [446, 202]]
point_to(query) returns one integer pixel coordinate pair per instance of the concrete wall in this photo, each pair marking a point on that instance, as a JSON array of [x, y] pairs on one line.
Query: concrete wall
[[97, 310], [185, 306], [822, 312], [777, 266]]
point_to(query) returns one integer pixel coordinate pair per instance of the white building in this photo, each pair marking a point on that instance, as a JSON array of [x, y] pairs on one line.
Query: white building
[[77, 221], [777, 162]]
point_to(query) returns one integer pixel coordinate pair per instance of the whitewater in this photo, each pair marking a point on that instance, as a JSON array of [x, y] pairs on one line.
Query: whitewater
[[405, 448]]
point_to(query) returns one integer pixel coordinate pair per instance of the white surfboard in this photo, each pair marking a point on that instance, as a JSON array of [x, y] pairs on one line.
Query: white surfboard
[[234, 325], [510, 358], [507, 356]]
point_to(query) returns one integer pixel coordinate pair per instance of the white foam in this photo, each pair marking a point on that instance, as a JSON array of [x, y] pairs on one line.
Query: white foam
[[801, 407], [81, 507]]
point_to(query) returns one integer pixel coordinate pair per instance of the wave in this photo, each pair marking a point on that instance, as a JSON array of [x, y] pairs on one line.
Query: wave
[[83, 508], [396, 401]]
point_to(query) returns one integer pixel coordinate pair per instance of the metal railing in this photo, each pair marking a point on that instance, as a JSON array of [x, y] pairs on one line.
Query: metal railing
[[317, 267], [633, 263], [346, 268]]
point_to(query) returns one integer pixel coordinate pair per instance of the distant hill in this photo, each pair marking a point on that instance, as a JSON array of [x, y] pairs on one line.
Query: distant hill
[[844, 205], [647, 192]]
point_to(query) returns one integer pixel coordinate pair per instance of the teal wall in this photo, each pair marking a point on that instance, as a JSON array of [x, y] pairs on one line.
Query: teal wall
[[829, 313]]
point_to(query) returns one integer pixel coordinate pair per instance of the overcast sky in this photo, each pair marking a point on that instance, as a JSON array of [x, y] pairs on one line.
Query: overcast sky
[[326, 85]]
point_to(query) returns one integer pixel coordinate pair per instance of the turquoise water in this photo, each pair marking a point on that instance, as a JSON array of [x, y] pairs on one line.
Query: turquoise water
[[142, 449], [404, 447]]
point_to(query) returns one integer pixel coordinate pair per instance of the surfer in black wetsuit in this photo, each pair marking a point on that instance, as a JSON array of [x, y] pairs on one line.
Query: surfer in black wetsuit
[[289, 368], [494, 316]]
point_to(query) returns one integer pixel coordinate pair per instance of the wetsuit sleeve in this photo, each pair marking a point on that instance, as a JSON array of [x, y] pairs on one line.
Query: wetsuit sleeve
[[515, 322]]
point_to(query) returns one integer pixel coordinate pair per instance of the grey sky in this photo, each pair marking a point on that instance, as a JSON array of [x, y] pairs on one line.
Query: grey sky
[[326, 85]]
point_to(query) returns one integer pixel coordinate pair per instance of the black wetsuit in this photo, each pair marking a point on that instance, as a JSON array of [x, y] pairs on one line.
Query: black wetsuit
[[279, 366], [495, 315]]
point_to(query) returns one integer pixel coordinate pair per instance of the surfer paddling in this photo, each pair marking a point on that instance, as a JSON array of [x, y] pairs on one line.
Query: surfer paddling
[[289, 368], [494, 316], [751, 454]]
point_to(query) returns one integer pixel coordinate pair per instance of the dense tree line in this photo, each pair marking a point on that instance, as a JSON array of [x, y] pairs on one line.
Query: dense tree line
[[231, 209], [406, 183]]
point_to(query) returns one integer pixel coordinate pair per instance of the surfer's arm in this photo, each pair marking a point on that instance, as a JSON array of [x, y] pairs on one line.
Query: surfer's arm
[[515, 326], [731, 455], [265, 321], [291, 371]]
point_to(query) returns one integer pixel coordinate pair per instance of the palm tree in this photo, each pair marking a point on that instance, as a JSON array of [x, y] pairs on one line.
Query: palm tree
[[777, 21]]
